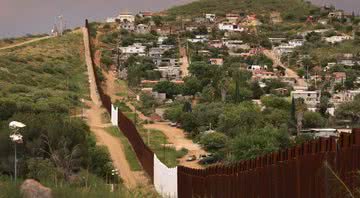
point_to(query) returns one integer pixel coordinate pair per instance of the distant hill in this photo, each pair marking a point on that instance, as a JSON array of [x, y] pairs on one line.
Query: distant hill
[[289, 9]]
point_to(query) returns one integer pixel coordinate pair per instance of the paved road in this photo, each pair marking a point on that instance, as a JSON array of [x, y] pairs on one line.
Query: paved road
[[25, 43], [97, 126], [288, 72]]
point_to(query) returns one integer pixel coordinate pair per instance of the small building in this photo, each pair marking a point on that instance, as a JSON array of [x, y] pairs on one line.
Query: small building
[[136, 48], [156, 52], [321, 132], [236, 44], [210, 17], [262, 74], [145, 14], [256, 67], [338, 14], [126, 17], [232, 18], [161, 62], [161, 39], [339, 77], [228, 26], [297, 42], [311, 98], [337, 39], [142, 29], [169, 72], [216, 61], [276, 41]]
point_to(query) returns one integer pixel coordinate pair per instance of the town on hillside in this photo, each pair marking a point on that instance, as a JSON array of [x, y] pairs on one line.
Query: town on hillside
[[236, 98]]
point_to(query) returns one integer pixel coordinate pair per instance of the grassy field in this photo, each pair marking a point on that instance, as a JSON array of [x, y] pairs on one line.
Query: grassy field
[[92, 187], [158, 143], [49, 73], [154, 138], [129, 152]]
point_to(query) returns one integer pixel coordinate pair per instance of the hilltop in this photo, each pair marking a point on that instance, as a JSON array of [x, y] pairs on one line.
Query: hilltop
[[289, 9]]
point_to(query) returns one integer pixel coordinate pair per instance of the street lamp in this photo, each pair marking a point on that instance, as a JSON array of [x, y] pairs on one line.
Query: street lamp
[[114, 174], [17, 138]]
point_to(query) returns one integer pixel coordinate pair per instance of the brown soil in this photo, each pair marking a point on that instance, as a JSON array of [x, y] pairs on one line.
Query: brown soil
[[178, 138], [94, 117]]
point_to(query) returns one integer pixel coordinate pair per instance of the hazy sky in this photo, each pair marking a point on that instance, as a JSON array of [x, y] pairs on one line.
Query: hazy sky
[[18, 17]]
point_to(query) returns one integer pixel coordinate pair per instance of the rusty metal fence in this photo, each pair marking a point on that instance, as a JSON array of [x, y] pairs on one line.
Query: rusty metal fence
[[308, 170], [143, 152]]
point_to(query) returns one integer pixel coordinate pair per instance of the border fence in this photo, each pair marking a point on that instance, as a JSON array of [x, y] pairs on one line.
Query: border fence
[[312, 169]]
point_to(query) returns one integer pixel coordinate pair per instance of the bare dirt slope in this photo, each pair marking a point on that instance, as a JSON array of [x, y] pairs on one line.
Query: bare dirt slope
[[97, 126]]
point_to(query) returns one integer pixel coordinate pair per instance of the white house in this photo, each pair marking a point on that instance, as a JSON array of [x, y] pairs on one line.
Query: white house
[[161, 39], [337, 39], [297, 42], [172, 72], [227, 26], [257, 67], [311, 98], [236, 44], [142, 29], [126, 17], [210, 17], [136, 48]]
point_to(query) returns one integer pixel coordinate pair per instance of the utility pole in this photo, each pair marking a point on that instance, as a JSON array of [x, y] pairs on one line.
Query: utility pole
[[61, 29]]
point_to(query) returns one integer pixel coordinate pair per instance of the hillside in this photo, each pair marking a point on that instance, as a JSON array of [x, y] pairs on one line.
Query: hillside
[[44, 75], [289, 9]]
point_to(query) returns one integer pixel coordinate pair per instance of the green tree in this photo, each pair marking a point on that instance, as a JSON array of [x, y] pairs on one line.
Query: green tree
[[214, 141], [7, 109], [259, 142], [168, 87], [313, 120], [349, 111], [192, 86]]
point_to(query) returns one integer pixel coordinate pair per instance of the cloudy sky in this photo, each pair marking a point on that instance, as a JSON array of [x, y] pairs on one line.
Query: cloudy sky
[[18, 17]]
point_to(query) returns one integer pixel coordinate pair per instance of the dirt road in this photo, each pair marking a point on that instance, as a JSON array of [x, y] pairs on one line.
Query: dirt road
[[288, 72], [184, 62], [95, 121], [175, 135], [24, 43], [178, 138]]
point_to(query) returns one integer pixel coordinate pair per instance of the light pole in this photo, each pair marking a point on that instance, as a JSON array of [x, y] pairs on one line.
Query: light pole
[[114, 174], [17, 138]]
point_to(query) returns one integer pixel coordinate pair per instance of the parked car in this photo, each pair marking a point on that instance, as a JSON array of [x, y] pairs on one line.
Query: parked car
[[191, 158], [173, 124], [209, 160]]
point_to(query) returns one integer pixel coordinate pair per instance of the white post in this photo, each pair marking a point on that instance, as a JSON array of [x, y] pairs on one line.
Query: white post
[[114, 115]]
